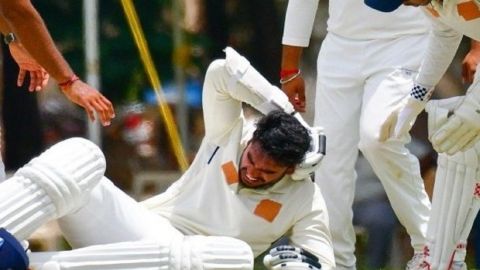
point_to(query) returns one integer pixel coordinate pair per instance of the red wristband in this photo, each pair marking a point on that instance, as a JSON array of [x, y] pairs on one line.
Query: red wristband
[[69, 82], [287, 72]]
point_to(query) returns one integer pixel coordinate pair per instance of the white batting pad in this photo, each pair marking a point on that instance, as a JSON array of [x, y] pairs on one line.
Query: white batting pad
[[213, 252], [456, 197], [24, 207], [192, 252], [50, 185]]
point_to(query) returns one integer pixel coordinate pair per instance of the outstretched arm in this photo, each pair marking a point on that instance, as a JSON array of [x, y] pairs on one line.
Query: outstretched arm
[[442, 45], [299, 20], [24, 21], [27, 65], [291, 78]]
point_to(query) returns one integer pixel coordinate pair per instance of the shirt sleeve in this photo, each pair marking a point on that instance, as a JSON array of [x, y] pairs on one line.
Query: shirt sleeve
[[299, 20], [230, 82], [442, 45], [311, 231], [220, 110]]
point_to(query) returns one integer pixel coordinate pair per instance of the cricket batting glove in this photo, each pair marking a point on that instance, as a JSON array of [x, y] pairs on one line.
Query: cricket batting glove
[[399, 122], [315, 154], [289, 257], [462, 130]]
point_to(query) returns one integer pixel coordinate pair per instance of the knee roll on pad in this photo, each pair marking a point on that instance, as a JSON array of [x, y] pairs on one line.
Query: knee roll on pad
[[66, 171], [212, 252]]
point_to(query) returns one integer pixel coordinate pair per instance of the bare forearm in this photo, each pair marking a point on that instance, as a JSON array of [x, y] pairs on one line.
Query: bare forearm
[[28, 26], [4, 27], [291, 56]]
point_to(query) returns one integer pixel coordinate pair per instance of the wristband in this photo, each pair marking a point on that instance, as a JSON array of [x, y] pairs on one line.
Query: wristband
[[295, 75], [421, 92], [66, 84], [287, 72]]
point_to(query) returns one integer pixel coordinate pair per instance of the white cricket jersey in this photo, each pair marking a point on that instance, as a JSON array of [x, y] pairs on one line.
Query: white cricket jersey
[[462, 16], [351, 19], [451, 20], [209, 200]]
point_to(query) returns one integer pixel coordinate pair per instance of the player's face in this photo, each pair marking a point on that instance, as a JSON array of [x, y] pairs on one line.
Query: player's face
[[416, 3], [258, 169]]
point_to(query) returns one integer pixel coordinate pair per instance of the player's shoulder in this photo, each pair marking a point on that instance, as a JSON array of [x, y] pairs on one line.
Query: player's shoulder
[[305, 188]]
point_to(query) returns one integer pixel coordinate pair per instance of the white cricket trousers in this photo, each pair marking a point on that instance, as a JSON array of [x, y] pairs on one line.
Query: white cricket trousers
[[359, 83], [112, 216]]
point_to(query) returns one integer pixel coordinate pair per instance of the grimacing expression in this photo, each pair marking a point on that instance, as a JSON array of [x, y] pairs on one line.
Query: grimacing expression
[[257, 169]]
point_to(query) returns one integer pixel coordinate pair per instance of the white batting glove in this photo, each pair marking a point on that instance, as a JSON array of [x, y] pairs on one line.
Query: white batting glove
[[400, 121], [315, 154], [462, 130], [289, 257]]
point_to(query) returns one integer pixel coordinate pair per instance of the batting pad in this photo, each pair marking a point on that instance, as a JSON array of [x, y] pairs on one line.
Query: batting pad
[[456, 200], [50, 186], [191, 252]]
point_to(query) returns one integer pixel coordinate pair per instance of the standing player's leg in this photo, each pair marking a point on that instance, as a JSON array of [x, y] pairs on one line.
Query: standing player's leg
[[337, 109], [399, 170]]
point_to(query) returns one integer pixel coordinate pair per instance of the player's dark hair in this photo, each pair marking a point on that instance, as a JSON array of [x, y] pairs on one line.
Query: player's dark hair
[[282, 137]]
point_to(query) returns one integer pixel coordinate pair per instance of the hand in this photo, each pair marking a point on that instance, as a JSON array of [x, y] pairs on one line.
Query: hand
[[315, 154], [455, 135], [461, 130], [295, 90], [288, 257], [38, 75], [91, 100], [470, 63], [400, 121]]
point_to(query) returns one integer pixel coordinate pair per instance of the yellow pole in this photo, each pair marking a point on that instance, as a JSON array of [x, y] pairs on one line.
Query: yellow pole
[[165, 111]]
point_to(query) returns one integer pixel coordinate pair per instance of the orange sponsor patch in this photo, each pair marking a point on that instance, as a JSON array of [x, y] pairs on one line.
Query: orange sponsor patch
[[468, 10], [230, 172], [267, 209]]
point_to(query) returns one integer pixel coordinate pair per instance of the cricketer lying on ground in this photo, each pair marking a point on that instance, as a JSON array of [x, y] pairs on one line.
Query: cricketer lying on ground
[[205, 220], [456, 197]]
